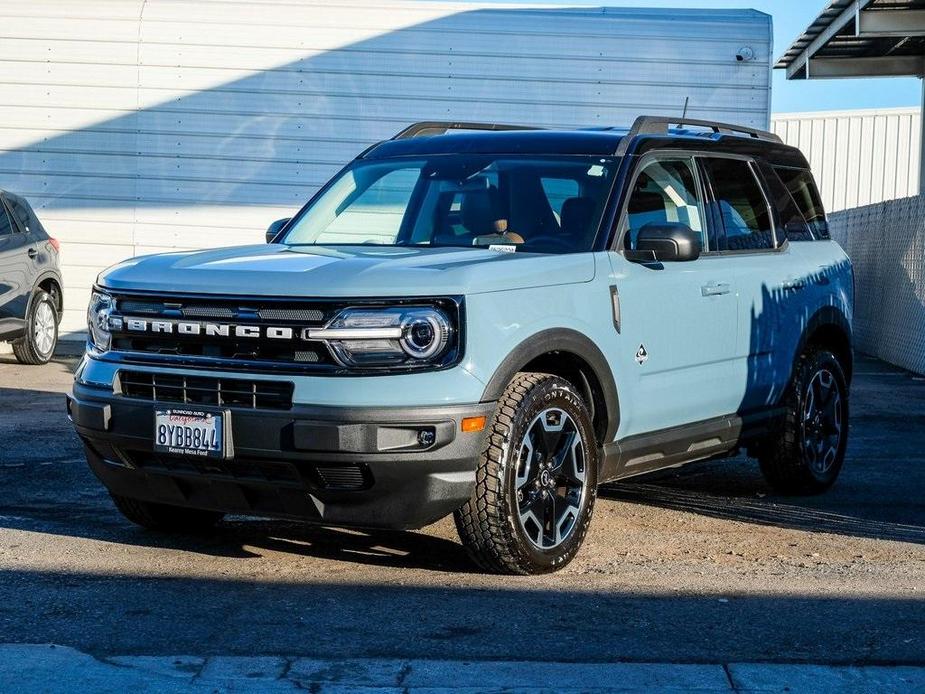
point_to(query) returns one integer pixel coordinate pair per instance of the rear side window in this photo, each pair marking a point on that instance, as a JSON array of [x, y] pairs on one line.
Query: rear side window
[[794, 225], [802, 187], [22, 215], [740, 204]]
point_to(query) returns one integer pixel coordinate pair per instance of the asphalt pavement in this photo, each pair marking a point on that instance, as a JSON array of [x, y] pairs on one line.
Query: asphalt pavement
[[698, 565]]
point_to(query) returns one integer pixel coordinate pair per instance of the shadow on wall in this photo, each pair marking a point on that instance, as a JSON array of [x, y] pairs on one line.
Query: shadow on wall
[[272, 137], [886, 243]]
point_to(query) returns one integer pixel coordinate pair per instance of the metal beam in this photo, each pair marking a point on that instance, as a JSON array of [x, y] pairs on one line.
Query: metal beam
[[849, 14], [922, 144], [827, 68], [886, 23]]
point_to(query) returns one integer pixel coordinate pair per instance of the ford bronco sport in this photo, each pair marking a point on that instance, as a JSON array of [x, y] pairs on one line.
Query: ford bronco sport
[[482, 320]]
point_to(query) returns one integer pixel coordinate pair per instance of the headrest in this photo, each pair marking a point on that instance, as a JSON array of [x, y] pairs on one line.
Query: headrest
[[576, 215], [480, 209]]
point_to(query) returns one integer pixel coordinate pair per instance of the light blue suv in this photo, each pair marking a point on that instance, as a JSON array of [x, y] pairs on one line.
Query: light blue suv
[[482, 320]]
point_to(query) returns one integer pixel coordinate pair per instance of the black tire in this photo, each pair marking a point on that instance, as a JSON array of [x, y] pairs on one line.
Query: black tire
[[164, 518], [490, 524], [37, 346], [794, 462]]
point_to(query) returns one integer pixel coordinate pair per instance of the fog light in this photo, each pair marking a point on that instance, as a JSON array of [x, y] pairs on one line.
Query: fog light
[[473, 424], [426, 437]]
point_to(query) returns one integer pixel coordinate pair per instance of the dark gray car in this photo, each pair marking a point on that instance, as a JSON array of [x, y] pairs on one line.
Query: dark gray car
[[30, 282]]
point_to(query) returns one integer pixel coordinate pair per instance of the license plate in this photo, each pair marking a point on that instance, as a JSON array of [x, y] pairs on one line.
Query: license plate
[[190, 432]]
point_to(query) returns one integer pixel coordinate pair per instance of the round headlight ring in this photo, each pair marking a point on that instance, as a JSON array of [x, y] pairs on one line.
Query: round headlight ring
[[424, 333]]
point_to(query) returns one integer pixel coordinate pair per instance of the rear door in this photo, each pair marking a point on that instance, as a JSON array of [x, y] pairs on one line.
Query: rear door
[[14, 274], [770, 278], [677, 319]]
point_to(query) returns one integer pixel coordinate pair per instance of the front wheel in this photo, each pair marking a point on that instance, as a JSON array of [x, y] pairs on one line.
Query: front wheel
[[808, 454], [536, 481]]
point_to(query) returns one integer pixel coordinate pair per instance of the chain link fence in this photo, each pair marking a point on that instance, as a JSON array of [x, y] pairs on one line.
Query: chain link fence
[[886, 243]]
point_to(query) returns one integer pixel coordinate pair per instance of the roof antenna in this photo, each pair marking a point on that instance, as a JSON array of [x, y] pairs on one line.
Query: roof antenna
[[684, 112]]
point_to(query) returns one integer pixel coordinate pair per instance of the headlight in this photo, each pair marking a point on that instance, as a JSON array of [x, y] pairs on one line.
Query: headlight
[[370, 337], [99, 321]]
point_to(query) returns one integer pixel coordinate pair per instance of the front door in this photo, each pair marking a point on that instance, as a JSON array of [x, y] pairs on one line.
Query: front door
[[14, 275], [677, 319]]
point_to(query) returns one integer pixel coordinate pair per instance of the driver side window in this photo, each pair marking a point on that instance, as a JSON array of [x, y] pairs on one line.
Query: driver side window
[[665, 191]]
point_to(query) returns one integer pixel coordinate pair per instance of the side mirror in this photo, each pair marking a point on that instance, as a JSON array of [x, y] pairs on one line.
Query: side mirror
[[275, 227], [665, 242]]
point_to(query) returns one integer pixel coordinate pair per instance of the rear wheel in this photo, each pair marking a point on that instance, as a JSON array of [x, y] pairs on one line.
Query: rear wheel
[[808, 454], [165, 518], [536, 481], [38, 344]]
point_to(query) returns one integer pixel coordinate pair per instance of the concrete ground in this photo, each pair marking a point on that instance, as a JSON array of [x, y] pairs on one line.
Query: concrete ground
[[701, 565]]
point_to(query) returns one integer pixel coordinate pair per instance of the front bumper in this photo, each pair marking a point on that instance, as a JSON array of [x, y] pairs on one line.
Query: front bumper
[[360, 467]]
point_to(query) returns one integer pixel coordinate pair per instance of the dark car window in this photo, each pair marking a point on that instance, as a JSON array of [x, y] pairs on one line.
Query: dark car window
[[540, 204], [21, 215], [6, 225], [802, 187], [740, 204], [794, 225], [665, 191]]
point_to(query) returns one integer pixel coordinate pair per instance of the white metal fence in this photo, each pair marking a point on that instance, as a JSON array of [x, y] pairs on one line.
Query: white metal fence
[[886, 243], [859, 157]]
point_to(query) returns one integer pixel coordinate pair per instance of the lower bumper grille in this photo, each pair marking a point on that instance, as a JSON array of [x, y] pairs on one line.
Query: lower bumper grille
[[240, 469], [204, 390]]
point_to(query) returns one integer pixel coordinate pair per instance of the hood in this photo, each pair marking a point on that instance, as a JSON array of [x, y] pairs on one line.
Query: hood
[[346, 271]]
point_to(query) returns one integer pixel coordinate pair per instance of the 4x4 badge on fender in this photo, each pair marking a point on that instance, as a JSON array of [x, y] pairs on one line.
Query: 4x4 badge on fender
[[642, 356]]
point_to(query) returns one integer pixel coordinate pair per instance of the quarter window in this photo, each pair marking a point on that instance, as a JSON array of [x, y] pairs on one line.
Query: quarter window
[[740, 204], [802, 187], [6, 226], [664, 191]]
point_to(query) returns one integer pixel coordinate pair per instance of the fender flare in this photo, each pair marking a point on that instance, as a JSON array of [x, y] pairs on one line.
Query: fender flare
[[560, 340], [828, 316], [46, 275]]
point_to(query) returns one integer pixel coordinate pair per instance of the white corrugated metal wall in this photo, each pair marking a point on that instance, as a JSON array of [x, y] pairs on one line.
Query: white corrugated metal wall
[[859, 157], [138, 126]]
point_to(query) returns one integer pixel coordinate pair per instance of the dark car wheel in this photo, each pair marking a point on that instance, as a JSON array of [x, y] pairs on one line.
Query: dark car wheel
[[808, 454], [173, 519], [38, 344], [536, 481]]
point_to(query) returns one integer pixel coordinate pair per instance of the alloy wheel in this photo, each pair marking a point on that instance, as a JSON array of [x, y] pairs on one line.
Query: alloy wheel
[[551, 481], [822, 421], [43, 329]]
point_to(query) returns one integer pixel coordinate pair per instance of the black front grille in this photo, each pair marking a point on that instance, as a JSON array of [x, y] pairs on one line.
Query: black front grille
[[154, 346], [205, 390]]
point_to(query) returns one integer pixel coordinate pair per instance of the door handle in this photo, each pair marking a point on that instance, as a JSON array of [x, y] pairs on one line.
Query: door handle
[[32, 253], [793, 284], [715, 289]]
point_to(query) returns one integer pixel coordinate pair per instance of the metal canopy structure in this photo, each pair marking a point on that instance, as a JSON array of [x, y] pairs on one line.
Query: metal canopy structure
[[860, 38]]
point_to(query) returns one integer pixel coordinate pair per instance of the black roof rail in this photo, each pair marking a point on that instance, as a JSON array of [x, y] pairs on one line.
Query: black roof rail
[[660, 125], [442, 127]]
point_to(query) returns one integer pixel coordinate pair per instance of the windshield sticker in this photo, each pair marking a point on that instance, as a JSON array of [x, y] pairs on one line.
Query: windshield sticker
[[502, 248], [596, 170]]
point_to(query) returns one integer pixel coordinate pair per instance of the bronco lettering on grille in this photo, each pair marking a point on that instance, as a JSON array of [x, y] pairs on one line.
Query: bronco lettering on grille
[[273, 332]]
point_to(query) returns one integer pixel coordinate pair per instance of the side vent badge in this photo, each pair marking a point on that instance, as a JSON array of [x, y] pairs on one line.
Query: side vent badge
[[642, 356]]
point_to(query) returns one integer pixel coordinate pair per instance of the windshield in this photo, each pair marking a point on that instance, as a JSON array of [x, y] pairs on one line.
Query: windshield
[[531, 204]]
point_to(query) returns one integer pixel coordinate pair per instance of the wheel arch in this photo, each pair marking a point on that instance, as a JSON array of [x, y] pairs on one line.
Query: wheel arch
[[50, 282], [831, 329], [573, 356]]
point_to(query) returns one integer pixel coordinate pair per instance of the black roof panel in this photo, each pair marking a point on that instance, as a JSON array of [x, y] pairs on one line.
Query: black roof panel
[[588, 142]]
